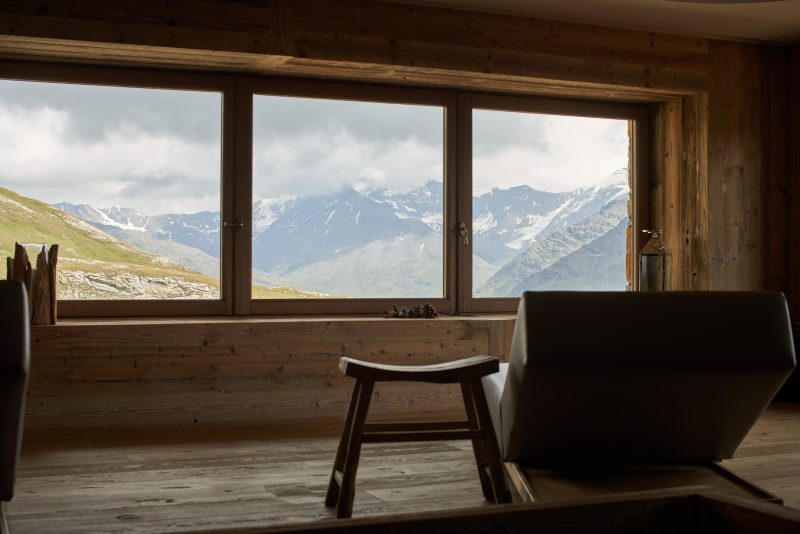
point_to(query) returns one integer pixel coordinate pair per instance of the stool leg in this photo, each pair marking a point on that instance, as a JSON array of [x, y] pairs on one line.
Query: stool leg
[[491, 450], [341, 453], [347, 490], [477, 443]]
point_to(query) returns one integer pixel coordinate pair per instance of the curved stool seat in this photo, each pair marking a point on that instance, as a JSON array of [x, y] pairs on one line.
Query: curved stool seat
[[439, 373], [478, 427]]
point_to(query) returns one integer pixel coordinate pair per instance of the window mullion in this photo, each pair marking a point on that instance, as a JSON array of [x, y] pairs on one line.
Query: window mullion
[[464, 205], [241, 136]]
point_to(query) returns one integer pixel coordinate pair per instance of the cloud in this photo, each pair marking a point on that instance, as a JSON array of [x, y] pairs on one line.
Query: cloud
[[307, 146], [159, 151], [96, 110], [496, 130], [151, 172], [315, 164], [277, 117], [548, 152]]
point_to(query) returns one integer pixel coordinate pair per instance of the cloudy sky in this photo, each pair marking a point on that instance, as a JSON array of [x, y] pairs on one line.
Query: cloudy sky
[[547, 152], [159, 151], [312, 146], [153, 150]]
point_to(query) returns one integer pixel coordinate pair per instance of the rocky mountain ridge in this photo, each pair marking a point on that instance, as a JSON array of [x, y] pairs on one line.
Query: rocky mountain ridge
[[337, 243]]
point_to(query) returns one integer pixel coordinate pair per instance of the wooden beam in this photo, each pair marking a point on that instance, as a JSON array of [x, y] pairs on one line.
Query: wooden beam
[[96, 373], [361, 39], [665, 181], [692, 201], [232, 25], [430, 37], [793, 184], [736, 174]]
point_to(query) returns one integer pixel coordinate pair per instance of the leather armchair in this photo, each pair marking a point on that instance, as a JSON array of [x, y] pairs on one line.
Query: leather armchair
[[14, 371], [668, 377]]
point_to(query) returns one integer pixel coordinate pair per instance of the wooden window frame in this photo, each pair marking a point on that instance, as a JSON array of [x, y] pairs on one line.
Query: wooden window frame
[[358, 92], [468, 102], [153, 79], [237, 93]]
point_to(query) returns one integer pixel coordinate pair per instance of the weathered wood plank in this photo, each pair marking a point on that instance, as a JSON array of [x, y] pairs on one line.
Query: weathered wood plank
[[736, 164], [261, 36], [693, 196], [95, 373], [665, 182], [429, 28], [236, 25], [793, 184], [179, 478]]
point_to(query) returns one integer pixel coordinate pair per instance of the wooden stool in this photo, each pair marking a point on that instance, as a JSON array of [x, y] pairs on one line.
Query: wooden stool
[[478, 426]]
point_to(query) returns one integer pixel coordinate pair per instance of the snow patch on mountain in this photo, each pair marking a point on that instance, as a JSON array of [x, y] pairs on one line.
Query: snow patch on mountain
[[516, 233]]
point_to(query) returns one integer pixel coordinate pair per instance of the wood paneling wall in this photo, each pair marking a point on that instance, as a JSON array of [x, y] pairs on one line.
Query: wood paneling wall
[[736, 177], [725, 178], [361, 39], [679, 169], [722, 185], [92, 374], [793, 184], [720, 171]]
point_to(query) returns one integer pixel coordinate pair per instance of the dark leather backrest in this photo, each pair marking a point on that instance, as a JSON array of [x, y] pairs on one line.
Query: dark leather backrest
[[641, 377], [15, 363]]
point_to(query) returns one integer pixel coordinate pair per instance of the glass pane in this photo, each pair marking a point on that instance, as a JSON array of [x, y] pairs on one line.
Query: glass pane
[[126, 181], [347, 199], [550, 203]]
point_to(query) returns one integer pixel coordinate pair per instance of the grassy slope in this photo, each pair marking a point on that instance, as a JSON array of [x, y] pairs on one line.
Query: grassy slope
[[80, 245], [84, 248]]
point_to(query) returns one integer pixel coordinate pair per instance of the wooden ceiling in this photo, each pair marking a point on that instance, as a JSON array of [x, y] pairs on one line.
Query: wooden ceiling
[[766, 21]]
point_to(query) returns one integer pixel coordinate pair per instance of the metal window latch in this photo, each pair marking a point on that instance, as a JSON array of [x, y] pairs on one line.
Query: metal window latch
[[462, 231], [237, 225]]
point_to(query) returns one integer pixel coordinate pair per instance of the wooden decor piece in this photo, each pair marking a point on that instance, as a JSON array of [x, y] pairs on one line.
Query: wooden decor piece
[[478, 427], [39, 282]]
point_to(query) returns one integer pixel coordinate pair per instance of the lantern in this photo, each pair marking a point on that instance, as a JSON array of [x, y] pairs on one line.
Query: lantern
[[654, 264]]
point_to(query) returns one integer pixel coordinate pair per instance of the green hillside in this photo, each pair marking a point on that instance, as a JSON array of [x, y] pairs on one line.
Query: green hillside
[[94, 265]]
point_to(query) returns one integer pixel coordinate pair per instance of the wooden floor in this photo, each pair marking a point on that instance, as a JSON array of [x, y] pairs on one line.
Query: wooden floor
[[135, 482]]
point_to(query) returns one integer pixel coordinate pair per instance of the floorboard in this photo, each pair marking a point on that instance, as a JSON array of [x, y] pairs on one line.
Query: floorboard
[[222, 478]]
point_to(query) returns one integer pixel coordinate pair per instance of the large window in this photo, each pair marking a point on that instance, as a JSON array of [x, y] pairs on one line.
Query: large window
[[550, 197], [181, 194], [125, 180], [347, 199]]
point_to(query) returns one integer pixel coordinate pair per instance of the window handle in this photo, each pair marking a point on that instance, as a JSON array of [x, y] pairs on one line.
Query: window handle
[[237, 225], [463, 232]]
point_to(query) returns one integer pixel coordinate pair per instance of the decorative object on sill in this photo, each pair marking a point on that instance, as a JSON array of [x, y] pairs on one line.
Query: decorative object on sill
[[39, 281], [654, 264], [423, 311]]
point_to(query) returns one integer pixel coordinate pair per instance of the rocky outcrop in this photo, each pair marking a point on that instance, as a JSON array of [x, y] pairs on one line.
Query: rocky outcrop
[[122, 285]]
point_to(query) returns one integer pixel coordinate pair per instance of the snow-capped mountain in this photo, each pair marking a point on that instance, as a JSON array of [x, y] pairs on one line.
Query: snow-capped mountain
[[507, 221], [123, 218], [548, 250], [267, 211], [422, 203], [597, 266], [336, 243], [324, 227], [197, 230]]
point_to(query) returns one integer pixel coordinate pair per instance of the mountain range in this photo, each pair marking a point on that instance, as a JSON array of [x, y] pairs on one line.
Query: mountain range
[[385, 243], [93, 264]]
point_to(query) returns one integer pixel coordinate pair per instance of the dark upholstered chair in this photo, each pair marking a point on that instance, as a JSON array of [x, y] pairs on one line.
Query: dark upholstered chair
[[657, 378], [14, 370], [790, 392]]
